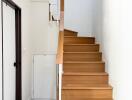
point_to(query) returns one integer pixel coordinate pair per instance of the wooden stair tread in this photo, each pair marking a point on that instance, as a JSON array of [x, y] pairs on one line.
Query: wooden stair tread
[[86, 86], [84, 73], [82, 56], [74, 66], [70, 36], [78, 40], [82, 52], [84, 62], [80, 44], [76, 37], [91, 99], [81, 48], [79, 37]]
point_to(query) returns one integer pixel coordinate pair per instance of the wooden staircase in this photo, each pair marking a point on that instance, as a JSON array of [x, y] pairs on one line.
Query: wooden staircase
[[84, 76]]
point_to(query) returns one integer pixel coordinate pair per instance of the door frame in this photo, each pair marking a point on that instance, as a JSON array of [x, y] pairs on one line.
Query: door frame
[[18, 47]]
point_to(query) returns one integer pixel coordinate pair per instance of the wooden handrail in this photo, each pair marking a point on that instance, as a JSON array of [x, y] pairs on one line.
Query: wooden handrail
[[61, 36], [59, 59]]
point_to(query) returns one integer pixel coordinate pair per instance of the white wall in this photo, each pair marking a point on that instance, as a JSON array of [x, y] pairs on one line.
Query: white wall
[[44, 33], [97, 16], [78, 16], [40, 20], [44, 45], [115, 37]]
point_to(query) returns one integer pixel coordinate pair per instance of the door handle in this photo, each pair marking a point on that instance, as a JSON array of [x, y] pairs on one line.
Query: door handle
[[15, 64]]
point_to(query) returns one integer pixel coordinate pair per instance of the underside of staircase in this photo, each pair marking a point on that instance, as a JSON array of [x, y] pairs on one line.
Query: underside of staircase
[[84, 76]]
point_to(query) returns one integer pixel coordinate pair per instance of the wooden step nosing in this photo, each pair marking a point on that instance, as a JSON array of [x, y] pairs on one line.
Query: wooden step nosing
[[83, 52], [70, 36], [79, 37], [82, 75], [81, 62], [85, 74], [86, 88], [81, 44]]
